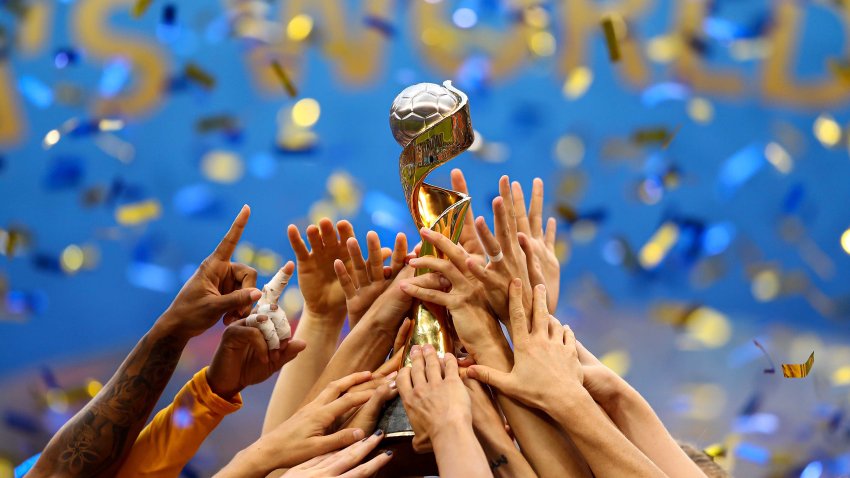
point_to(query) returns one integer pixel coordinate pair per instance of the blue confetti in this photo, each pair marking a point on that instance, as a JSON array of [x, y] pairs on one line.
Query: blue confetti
[[197, 200], [812, 470], [717, 238], [64, 57], [765, 423], [380, 24], [262, 165], [22, 422], [151, 276], [116, 75], [753, 453], [63, 173], [36, 91], [26, 466], [793, 199], [661, 92], [740, 168]]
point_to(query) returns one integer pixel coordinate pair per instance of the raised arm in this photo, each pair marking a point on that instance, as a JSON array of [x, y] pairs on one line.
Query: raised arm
[[633, 415], [547, 375], [322, 318], [96, 440]]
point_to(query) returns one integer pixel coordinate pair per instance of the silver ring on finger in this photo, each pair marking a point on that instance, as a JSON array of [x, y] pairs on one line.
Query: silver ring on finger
[[497, 258]]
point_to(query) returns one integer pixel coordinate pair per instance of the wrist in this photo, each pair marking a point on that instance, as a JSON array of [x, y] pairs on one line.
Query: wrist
[[452, 426], [250, 462], [568, 403], [167, 326], [329, 323], [226, 393]]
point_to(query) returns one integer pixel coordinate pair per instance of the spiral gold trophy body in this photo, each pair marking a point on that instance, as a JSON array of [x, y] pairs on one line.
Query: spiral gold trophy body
[[432, 124]]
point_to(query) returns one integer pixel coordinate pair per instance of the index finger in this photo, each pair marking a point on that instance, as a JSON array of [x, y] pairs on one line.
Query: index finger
[[519, 325], [228, 243], [540, 314]]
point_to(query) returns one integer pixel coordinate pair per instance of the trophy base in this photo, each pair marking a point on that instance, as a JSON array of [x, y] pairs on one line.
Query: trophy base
[[399, 439]]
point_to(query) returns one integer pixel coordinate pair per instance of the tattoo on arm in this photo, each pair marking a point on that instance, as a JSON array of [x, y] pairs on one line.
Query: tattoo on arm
[[96, 440], [497, 462]]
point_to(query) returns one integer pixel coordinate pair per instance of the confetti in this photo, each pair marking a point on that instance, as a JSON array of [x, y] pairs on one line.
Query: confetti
[[140, 7], [199, 76], [380, 24], [798, 370], [772, 368], [281, 75], [611, 39], [138, 213]]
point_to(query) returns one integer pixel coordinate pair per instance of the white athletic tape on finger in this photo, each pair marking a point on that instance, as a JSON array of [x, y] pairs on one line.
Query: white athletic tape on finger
[[274, 288], [278, 318], [497, 258], [276, 328], [267, 328]]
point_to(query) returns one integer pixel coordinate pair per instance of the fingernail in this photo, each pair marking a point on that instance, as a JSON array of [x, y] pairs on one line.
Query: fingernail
[[415, 350], [425, 231], [388, 452], [379, 432], [256, 294], [428, 349], [393, 385], [403, 285], [359, 434], [391, 376]]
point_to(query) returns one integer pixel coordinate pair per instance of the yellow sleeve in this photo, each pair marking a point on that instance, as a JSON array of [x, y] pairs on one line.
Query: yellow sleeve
[[174, 435]]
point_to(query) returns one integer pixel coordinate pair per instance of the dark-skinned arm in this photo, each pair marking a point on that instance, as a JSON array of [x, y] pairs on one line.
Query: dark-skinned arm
[[96, 440]]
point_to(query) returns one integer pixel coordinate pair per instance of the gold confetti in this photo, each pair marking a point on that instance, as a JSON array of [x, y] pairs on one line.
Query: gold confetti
[[200, 76], [137, 213], [611, 39], [306, 112], [798, 370], [845, 241], [578, 82], [284, 79], [654, 251], [715, 450], [827, 130], [300, 27], [140, 7]]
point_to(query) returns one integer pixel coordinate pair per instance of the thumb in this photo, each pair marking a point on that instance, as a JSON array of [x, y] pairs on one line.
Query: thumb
[[338, 440], [491, 376], [237, 299]]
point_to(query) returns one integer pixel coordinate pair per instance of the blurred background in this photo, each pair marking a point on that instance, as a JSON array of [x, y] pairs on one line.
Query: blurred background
[[695, 154]]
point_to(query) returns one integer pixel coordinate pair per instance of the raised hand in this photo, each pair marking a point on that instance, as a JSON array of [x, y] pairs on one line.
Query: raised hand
[[344, 463], [439, 406], [506, 258], [538, 245], [308, 433], [323, 295], [371, 277], [217, 288], [466, 300], [243, 358], [546, 368]]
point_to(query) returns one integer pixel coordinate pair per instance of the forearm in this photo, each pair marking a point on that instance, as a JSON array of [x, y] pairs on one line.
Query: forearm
[[97, 439], [608, 452], [503, 457], [364, 348], [549, 451], [635, 418], [458, 452], [298, 376]]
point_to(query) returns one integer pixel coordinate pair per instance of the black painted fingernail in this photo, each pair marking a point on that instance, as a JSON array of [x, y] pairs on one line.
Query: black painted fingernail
[[388, 452], [379, 432]]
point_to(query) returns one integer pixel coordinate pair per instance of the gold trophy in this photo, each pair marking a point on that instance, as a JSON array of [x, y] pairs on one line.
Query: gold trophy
[[432, 124]]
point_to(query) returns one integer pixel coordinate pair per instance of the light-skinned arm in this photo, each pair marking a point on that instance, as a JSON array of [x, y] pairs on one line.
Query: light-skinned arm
[[322, 318], [438, 404], [548, 375], [633, 415]]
